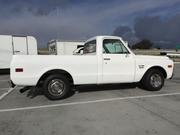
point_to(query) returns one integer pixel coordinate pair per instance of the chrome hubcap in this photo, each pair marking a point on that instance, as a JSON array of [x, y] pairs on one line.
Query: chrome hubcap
[[56, 87], [156, 80]]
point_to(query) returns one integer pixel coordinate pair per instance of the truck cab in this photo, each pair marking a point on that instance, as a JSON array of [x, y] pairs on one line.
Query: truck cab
[[116, 61]]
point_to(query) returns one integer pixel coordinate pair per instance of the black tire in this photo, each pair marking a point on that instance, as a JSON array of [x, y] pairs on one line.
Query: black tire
[[55, 83], [153, 80]]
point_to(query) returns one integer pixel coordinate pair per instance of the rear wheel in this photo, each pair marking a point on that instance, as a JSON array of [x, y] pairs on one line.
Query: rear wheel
[[153, 80], [56, 87]]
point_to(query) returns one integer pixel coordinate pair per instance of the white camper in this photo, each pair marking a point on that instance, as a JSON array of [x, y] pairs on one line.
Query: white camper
[[14, 45], [60, 47]]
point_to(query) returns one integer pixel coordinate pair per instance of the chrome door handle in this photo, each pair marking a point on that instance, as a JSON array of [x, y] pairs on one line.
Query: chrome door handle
[[17, 51], [107, 59]]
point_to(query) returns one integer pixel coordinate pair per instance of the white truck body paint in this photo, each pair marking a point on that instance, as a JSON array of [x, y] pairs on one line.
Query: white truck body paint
[[94, 68], [15, 45]]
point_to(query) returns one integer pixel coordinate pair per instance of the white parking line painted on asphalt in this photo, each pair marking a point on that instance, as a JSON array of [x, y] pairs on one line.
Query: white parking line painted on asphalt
[[86, 102], [6, 93]]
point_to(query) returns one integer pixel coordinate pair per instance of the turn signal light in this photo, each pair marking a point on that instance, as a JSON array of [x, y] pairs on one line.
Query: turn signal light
[[170, 66], [19, 69]]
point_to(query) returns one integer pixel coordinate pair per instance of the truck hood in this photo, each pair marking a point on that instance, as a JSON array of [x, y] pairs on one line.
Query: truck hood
[[149, 57]]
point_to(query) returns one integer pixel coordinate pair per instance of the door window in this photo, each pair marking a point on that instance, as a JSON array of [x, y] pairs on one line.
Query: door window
[[114, 46]]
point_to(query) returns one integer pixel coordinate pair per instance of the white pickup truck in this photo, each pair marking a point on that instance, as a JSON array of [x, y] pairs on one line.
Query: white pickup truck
[[105, 60]]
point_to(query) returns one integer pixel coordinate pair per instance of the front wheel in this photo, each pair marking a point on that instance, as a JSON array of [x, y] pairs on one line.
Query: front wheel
[[56, 87], [153, 80]]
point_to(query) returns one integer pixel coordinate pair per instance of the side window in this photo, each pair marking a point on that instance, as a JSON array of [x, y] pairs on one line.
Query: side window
[[90, 47], [114, 46]]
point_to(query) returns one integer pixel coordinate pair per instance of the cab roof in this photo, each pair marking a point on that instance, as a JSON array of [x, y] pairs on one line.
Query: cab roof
[[103, 36]]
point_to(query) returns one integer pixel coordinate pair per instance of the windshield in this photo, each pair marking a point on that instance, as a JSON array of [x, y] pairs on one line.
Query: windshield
[[114, 46]]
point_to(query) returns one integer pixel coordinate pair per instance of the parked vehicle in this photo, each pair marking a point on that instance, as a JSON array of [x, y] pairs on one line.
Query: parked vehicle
[[15, 45], [105, 60], [60, 47]]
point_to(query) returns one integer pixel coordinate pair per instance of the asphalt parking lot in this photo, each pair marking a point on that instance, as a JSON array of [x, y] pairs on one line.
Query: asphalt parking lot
[[105, 110]]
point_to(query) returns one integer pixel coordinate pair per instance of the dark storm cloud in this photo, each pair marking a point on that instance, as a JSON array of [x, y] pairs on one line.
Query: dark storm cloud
[[122, 30], [36, 7], [75, 19], [126, 33], [158, 29], [162, 31], [45, 19], [39, 7]]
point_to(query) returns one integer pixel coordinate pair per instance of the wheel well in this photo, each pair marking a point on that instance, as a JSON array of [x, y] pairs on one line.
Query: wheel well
[[162, 70], [56, 71]]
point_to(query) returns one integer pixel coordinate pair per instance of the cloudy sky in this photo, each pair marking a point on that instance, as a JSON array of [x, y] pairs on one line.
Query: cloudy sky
[[157, 20]]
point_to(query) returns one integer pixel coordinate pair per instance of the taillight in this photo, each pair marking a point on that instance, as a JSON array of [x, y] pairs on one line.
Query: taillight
[[170, 66], [19, 69]]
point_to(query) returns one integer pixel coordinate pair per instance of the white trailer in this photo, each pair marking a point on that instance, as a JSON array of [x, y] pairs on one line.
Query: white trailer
[[15, 45], [62, 47]]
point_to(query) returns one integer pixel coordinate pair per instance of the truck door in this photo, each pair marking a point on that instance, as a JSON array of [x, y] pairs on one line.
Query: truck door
[[19, 45], [118, 63]]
